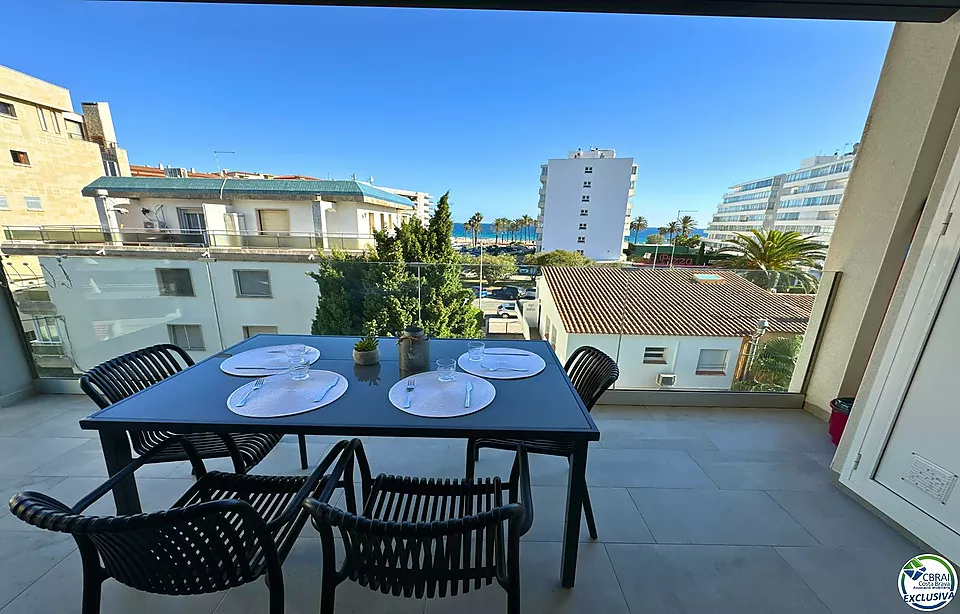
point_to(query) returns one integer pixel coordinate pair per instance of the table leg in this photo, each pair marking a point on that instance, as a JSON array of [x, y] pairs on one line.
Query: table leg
[[116, 454], [576, 486]]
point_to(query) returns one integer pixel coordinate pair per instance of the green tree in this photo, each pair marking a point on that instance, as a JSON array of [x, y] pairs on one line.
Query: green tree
[[473, 226], [655, 239], [673, 229], [340, 297], [662, 231], [558, 257], [528, 225], [687, 225], [413, 240], [500, 226], [638, 225], [773, 365], [390, 301], [495, 268], [774, 254], [687, 241], [438, 247]]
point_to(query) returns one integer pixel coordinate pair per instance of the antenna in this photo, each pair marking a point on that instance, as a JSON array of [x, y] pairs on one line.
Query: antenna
[[216, 154]]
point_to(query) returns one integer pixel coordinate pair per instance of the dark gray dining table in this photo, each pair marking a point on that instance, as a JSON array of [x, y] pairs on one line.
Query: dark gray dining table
[[544, 406]]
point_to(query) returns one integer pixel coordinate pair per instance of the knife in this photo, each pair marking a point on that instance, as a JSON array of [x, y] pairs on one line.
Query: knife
[[261, 368], [328, 389], [489, 353], [466, 400]]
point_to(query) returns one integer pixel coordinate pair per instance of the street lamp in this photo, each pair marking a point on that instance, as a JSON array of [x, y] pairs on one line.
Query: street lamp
[[674, 247]]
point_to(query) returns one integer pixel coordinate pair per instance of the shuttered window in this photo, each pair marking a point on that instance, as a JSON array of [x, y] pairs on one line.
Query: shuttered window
[[274, 220]]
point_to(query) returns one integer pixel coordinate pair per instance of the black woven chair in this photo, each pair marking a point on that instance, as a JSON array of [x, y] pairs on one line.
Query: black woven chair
[[417, 537], [592, 373], [126, 375], [225, 531]]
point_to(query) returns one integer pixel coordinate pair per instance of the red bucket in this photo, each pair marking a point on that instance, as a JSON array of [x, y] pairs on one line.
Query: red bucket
[[838, 417]]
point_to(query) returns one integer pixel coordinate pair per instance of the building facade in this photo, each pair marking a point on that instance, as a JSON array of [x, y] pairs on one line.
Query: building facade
[[49, 153], [805, 200], [585, 204], [423, 201]]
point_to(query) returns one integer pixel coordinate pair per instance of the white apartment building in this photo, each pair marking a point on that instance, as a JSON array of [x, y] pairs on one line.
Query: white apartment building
[[585, 203], [806, 200], [423, 201]]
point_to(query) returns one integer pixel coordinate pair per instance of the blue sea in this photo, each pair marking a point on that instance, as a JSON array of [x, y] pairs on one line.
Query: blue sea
[[486, 232]]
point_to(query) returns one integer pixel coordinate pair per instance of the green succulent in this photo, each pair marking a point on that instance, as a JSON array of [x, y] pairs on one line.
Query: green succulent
[[367, 344]]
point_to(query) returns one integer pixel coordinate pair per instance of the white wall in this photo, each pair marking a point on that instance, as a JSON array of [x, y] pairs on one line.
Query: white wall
[[609, 193], [115, 305]]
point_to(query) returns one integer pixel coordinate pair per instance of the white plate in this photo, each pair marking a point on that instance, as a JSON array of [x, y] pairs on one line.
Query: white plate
[[498, 363], [281, 395], [435, 399], [269, 360]]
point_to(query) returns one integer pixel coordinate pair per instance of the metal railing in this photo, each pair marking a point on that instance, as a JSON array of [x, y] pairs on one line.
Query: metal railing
[[95, 235]]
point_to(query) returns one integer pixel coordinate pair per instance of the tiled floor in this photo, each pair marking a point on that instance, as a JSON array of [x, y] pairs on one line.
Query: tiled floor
[[699, 510]]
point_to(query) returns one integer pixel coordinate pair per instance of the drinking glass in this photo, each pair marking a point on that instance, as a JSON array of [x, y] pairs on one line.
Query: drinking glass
[[296, 355], [445, 369], [475, 351]]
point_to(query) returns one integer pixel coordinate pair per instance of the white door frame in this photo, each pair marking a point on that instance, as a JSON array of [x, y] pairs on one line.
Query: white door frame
[[880, 406]]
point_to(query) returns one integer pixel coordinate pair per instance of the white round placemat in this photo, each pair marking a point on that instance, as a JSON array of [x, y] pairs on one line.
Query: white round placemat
[[496, 365], [432, 398], [269, 360], [282, 396]]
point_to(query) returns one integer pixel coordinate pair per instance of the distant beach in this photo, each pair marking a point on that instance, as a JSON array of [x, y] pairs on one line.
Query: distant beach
[[486, 235]]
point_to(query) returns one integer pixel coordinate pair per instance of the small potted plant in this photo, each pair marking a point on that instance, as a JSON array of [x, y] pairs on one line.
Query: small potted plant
[[366, 351]]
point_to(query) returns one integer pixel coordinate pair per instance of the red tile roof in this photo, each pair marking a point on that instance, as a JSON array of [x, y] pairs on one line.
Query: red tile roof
[[603, 300], [305, 177]]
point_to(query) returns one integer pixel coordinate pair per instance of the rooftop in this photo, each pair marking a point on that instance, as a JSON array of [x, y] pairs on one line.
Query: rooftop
[[256, 189], [689, 504], [663, 302]]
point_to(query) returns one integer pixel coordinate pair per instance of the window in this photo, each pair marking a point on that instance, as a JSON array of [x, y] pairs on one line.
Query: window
[[20, 157], [584, 212], [3, 203], [633, 171], [274, 220], [587, 169], [43, 119], [175, 282], [654, 356], [583, 226], [585, 198], [74, 129], [7, 109], [712, 362], [580, 251], [56, 121], [581, 239], [46, 330], [33, 203], [249, 331], [252, 283], [187, 336], [586, 184]]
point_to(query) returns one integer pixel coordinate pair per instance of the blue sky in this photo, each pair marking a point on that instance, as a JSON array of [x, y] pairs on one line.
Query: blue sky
[[467, 101]]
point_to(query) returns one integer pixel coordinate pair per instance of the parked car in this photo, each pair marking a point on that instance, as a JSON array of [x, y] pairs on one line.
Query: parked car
[[508, 310], [530, 293], [528, 269], [479, 293], [510, 293]]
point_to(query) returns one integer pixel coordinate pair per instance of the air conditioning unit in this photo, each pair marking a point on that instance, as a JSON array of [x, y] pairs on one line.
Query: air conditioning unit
[[667, 380]]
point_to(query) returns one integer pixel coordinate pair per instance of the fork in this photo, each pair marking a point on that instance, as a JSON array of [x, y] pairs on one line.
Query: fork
[[486, 368], [411, 384], [257, 384]]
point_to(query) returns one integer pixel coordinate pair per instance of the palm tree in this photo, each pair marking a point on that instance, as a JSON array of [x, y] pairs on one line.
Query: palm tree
[[775, 253], [662, 231], [517, 227], [528, 224], [687, 225], [473, 225], [500, 226], [773, 366], [673, 229], [638, 225]]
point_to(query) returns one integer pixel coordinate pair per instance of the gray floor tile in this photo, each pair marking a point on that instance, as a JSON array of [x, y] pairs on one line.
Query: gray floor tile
[[66, 424], [729, 517], [60, 590], [618, 519], [21, 455], [852, 580], [645, 469], [648, 434], [28, 556], [596, 589], [544, 470], [403, 457], [762, 470], [823, 458], [662, 579], [783, 436], [837, 520]]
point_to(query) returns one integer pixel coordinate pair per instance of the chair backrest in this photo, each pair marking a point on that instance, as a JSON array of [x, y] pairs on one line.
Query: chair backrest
[[120, 377], [592, 373], [433, 545], [202, 548]]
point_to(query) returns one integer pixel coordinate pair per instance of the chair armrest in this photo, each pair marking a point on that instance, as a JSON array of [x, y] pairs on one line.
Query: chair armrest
[[311, 485], [520, 484], [138, 462], [342, 475], [239, 466]]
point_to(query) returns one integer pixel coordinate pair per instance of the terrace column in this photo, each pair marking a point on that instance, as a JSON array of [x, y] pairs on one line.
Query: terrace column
[[320, 208]]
